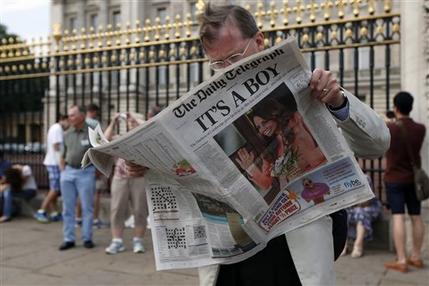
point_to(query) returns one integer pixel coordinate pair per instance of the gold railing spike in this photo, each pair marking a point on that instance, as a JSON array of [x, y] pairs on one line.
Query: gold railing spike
[[82, 30], [11, 40], [157, 27], [146, 30], [371, 9], [273, 14], [247, 7], [286, 11], [167, 28], [3, 41], [326, 5], [260, 14], [387, 6], [74, 32], [312, 8], [355, 7], [340, 7], [188, 24], [298, 10], [177, 26]]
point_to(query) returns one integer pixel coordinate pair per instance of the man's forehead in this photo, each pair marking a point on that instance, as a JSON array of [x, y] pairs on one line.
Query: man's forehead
[[228, 31]]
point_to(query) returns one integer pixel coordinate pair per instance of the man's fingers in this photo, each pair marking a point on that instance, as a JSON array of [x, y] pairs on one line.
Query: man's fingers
[[315, 76]]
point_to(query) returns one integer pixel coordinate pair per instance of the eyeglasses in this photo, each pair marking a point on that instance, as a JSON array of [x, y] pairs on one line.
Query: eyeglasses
[[221, 64]]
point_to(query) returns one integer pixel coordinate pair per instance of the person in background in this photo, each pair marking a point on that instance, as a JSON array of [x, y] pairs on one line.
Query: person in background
[[407, 139], [92, 114], [4, 165], [75, 181], [54, 143], [127, 188], [19, 183], [360, 219], [101, 182]]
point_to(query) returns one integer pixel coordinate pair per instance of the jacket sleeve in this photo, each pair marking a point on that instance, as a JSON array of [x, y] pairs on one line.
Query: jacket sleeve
[[365, 131]]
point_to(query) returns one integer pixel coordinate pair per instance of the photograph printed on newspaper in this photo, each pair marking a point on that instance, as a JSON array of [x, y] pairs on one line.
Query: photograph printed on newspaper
[[242, 158]]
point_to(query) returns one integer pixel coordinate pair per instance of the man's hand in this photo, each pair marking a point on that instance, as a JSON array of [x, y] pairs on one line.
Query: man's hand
[[134, 170], [325, 88]]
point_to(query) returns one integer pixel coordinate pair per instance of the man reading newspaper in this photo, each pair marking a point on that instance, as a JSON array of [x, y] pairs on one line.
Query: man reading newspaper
[[249, 155], [228, 34]]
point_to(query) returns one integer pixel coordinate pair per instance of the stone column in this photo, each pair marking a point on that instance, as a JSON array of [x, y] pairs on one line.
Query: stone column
[[415, 63]]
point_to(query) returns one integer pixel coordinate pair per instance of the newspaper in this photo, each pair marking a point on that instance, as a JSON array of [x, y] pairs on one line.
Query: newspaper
[[244, 157]]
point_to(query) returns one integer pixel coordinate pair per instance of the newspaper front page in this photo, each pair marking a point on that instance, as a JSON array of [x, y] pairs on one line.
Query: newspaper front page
[[240, 159]]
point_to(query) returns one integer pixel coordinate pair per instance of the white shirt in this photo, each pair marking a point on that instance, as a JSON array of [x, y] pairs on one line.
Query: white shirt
[[55, 135]]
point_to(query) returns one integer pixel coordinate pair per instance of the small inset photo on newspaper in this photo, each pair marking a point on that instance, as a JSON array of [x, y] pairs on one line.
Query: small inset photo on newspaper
[[228, 222], [271, 145]]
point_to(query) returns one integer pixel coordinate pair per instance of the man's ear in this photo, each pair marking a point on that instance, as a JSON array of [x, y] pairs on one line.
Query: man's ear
[[259, 39]]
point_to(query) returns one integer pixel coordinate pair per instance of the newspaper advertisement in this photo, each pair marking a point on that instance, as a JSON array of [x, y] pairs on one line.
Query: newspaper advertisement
[[244, 157]]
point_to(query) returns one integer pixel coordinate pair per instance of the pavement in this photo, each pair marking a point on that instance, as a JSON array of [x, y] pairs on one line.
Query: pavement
[[29, 256]]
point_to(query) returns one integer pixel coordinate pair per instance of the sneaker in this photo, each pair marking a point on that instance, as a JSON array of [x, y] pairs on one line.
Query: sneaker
[[41, 216], [115, 247], [66, 245], [88, 244], [97, 223], [138, 245], [55, 216], [78, 222]]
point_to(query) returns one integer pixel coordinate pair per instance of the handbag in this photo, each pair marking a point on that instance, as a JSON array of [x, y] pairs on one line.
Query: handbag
[[421, 179]]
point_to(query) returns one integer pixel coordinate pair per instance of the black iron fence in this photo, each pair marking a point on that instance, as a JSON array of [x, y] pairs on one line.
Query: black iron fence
[[135, 68]]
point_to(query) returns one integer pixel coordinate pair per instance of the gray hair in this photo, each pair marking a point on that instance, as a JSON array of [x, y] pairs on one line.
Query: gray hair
[[215, 17]]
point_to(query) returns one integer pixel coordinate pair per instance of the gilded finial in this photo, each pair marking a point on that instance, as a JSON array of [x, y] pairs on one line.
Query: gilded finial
[[340, 7], [260, 15], [56, 32], [146, 30], [167, 27], [312, 7], [286, 11], [188, 23], [177, 26], [387, 6], [298, 10], [273, 14], [157, 27]]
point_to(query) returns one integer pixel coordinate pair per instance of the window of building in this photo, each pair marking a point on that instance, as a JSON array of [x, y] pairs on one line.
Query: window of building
[[161, 13], [93, 20], [72, 24], [116, 18], [193, 11]]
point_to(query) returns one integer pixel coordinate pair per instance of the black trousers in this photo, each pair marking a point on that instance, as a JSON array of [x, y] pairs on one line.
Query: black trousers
[[273, 265]]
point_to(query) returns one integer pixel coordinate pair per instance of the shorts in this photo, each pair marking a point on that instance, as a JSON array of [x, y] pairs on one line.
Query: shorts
[[54, 177], [401, 194]]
